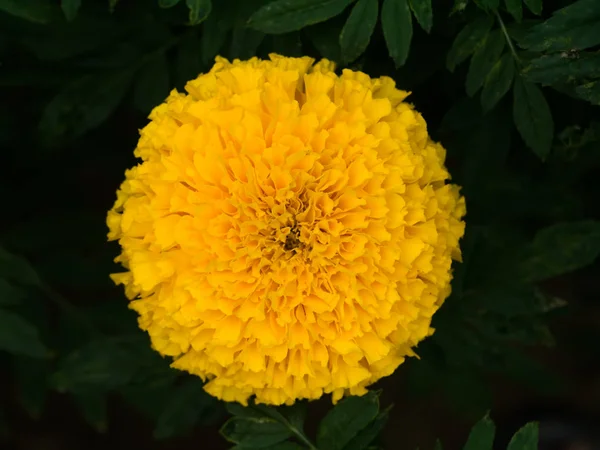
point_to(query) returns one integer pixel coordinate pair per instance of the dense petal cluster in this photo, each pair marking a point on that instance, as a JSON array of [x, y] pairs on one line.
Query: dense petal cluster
[[289, 232]]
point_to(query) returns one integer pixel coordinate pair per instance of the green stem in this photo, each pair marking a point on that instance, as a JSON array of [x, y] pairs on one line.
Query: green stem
[[507, 37]]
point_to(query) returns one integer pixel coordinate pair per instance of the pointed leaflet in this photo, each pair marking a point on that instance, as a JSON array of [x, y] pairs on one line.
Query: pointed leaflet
[[485, 57], [481, 436], [357, 31], [93, 408], [562, 248], [283, 16], [397, 29], [589, 92], [369, 434], [254, 432], [573, 27], [560, 68], [70, 8], [467, 41], [498, 82], [199, 10], [39, 11], [83, 105], [535, 6], [515, 8], [167, 3], [526, 438], [488, 4], [533, 117], [19, 336], [423, 13], [346, 420]]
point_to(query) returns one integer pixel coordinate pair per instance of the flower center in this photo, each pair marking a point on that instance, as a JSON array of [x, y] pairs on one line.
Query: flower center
[[292, 240]]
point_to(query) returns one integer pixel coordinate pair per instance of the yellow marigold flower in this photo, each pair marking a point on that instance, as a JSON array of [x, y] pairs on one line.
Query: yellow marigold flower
[[289, 231]]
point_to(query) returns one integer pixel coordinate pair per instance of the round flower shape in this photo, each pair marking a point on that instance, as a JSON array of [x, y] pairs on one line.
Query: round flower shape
[[289, 232]]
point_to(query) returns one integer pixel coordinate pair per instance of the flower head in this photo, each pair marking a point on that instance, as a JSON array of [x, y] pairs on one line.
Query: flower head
[[289, 232]]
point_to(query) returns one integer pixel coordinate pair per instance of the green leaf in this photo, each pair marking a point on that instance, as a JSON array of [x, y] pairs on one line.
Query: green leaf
[[533, 117], [101, 365], [589, 92], [151, 86], [498, 82], [423, 13], [184, 409], [254, 432], [31, 376], [167, 3], [283, 16], [397, 29], [287, 445], [562, 68], [574, 27], [18, 269], [325, 37], [515, 8], [39, 11], [562, 248], [535, 6], [199, 10], [483, 61], [367, 435], [83, 105], [526, 438], [20, 337], [346, 420], [215, 32], [70, 8], [9, 294], [356, 34], [93, 408], [488, 4], [244, 42], [289, 44], [481, 436], [467, 41]]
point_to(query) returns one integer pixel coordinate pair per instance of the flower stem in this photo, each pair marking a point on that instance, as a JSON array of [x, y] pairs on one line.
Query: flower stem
[[508, 39]]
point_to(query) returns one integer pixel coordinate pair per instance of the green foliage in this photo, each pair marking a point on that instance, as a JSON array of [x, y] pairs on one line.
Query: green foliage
[[509, 87]]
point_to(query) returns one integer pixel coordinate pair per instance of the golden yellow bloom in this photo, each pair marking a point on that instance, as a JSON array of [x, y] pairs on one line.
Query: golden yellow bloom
[[289, 232]]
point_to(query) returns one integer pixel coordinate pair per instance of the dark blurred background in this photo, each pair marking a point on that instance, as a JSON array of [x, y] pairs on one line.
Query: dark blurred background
[[80, 375]]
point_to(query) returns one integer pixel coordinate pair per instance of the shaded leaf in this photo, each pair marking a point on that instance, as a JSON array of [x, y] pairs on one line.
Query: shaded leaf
[[83, 105], [535, 6], [367, 435], [152, 84], [40, 11], [423, 13], [498, 82], [10, 294], [98, 366], [488, 4], [167, 3], [184, 409], [20, 337], [244, 42], [467, 41], [346, 420], [288, 44], [215, 31], [562, 68], [254, 432], [17, 268], [283, 16], [573, 27], [589, 92], [515, 8], [438, 445], [199, 10], [562, 248], [112, 4], [93, 408], [70, 8], [526, 438], [396, 21], [32, 381], [356, 34], [483, 61], [324, 36], [481, 436], [533, 117]]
